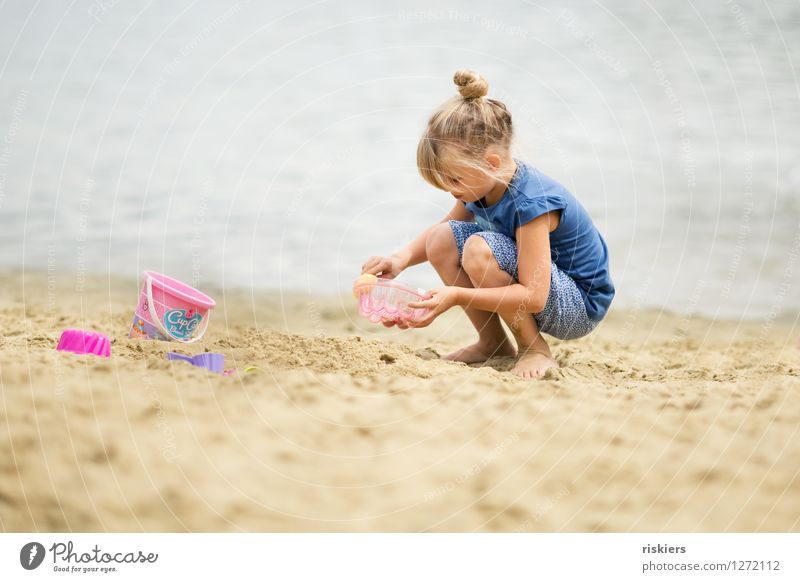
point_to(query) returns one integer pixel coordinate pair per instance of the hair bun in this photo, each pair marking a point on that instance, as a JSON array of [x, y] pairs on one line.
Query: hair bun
[[470, 84]]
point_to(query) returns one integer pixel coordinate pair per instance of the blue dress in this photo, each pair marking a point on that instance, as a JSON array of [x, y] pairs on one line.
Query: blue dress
[[581, 289]]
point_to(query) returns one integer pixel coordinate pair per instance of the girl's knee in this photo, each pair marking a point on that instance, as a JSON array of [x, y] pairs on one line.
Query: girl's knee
[[477, 256], [441, 244]]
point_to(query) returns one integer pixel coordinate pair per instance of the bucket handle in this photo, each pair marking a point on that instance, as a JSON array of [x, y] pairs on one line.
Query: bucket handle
[[154, 316]]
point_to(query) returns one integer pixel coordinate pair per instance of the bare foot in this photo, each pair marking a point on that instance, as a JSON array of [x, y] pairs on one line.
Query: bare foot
[[481, 351], [532, 365]]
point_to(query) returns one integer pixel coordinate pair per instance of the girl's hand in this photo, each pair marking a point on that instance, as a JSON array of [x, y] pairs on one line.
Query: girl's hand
[[386, 267], [441, 300]]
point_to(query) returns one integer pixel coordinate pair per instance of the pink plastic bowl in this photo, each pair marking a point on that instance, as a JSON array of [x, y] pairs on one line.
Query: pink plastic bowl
[[79, 341], [387, 300]]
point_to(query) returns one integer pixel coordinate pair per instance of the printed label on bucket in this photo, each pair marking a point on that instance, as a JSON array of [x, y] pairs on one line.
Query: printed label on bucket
[[141, 329], [181, 323]]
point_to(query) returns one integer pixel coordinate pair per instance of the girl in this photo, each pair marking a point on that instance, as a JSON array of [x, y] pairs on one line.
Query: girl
[[516, 246]]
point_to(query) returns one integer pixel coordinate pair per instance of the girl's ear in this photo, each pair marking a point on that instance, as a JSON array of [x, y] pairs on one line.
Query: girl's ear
[[494, 161]]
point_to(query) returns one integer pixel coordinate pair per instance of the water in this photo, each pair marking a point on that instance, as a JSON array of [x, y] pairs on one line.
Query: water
[[274, 146]]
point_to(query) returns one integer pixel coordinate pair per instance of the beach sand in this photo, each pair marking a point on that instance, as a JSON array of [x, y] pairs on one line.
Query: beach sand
[[655, 422]]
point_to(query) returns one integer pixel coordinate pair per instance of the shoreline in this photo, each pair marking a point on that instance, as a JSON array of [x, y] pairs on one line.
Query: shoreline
[[97, 282], [653, 423]]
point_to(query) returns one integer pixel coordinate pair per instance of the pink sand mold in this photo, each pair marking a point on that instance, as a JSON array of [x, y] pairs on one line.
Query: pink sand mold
[[79, 341], [387, 300], [210, 360]]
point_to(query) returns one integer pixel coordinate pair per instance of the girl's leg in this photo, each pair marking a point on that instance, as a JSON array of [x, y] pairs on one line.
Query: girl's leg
[[492, 338], [534, 355]]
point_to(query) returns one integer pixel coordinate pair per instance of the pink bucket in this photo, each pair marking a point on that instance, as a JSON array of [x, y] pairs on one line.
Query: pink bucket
[[169, 309]]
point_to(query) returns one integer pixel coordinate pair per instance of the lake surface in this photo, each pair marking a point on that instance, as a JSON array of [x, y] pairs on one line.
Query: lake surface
[[273, 146]]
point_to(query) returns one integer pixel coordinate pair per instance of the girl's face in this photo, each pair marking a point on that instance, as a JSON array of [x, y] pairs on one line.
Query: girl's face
[[470, 184]]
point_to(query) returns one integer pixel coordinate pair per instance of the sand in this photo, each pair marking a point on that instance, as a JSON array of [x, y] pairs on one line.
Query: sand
[[655, 422]]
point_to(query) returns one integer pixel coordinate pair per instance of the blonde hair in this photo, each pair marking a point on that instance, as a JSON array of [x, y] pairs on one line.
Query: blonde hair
[[464, 127]]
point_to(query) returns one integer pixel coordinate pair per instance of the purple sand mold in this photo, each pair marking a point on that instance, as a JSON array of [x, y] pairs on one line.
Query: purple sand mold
[[211, 361]]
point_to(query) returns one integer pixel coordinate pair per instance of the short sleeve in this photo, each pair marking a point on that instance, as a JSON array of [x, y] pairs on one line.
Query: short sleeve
[[529, 208]]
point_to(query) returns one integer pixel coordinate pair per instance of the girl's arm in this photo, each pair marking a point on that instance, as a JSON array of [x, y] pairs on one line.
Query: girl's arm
[[527, 296], [414, 253], [530, 294]]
